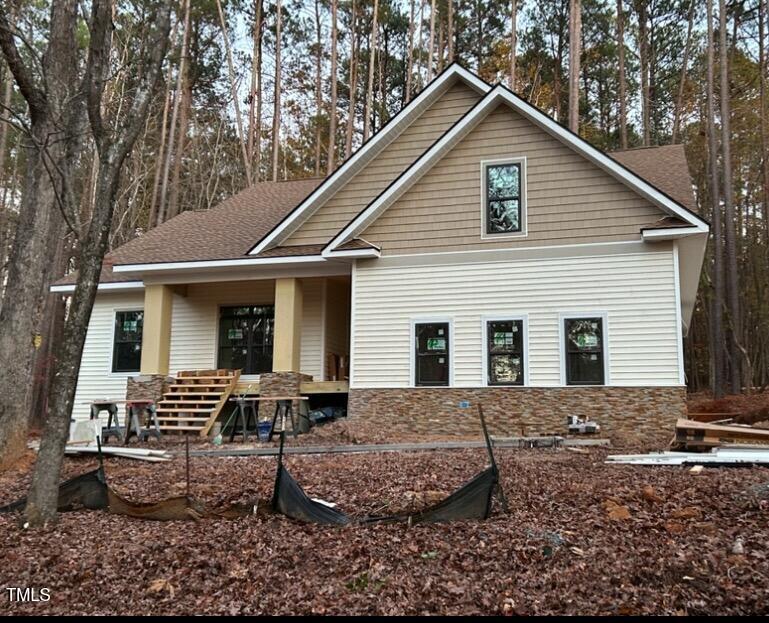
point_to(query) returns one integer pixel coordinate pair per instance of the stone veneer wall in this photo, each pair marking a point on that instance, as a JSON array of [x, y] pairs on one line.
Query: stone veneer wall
[[622, 412], [280, 384], [151, 386]]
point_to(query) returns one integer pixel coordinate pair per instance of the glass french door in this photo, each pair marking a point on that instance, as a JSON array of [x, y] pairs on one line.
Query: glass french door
[[245, 338]]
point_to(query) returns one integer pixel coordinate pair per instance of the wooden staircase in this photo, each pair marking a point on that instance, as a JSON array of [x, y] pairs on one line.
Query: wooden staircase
[[194, 400]]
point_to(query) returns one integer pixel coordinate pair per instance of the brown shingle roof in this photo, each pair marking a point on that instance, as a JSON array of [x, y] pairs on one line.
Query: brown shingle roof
[[664, 167], [230, 230]]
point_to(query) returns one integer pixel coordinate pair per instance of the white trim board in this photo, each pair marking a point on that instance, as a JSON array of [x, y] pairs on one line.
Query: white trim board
[[102, 287], [368, 151], [499, 95]]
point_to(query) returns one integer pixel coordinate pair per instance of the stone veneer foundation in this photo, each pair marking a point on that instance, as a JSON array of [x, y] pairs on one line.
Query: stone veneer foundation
[[280, 384], [622, 412], [151, 386]]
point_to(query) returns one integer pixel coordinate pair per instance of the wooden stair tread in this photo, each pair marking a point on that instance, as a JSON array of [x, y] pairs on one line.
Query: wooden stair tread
[[203, 378], [184, 410], [177, 428], [199, 385], [182, 419], [216, 395], [188, 402]]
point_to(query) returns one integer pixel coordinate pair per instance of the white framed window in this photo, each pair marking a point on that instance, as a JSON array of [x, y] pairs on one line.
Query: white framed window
[[584, 339], [432, 352], [503, 198], [505, 350]]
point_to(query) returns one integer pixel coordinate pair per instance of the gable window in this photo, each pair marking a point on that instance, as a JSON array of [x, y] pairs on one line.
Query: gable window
[[127, 341], [504, 209], [505, 356], [584, 351], [245, 338], [431, 354]]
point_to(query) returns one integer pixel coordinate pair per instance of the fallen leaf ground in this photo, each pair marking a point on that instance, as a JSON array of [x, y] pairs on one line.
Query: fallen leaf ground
[[564, 548]]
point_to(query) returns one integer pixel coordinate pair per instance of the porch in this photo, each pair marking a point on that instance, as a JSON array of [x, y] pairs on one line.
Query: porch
[[292, 330]]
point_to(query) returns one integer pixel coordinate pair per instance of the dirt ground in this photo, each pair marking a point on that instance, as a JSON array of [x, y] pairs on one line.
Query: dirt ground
[[581, 537]]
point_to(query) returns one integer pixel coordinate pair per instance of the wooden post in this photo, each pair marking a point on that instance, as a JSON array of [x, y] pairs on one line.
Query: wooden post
[[286, 349], [156, 334]]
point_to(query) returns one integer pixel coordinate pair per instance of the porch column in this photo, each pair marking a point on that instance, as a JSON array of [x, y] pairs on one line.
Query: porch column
[[286, 349], [156, 334]]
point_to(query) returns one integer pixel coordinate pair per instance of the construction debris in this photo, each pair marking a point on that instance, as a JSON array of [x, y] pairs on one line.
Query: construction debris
[[693, 435], [716, 457], [141, 454]]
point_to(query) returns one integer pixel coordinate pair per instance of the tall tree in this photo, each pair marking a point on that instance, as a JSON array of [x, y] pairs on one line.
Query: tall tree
[[114, 138], [370, 86], [410, 54], [431, 45], [255, 96], [353, 90], [513, 41], [332, 112], [622, 76], [684, 65], [731, 272], [575, 51], [276, 97], [51, 145], [643, 55], [717, 311]]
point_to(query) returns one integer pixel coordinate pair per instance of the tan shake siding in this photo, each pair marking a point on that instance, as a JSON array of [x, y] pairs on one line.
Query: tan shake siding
[[195, 325], [394, 159], [569, 200], [636, 290]]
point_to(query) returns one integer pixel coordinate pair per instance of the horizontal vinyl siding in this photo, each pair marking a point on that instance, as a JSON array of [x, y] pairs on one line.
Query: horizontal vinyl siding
[[636, 290], [569, 199], [96, 379], [394, 159], [194, 323]]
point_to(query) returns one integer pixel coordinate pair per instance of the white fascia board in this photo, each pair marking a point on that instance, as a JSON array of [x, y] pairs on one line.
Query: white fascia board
[[460, 129], [352, 253], [197, 265], [670, 233], [119, 285], [367, 152]]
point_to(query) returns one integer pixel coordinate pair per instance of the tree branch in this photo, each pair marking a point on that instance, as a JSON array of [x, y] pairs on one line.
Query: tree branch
[[34, 96]]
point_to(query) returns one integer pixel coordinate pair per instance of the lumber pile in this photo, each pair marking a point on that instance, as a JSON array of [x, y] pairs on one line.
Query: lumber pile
[[694, 435], [716, 457], [140, 454]]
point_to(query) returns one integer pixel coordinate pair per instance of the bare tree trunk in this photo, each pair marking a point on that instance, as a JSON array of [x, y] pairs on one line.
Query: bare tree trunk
[[450, 29], [684, 65], [53, 111], [259, 99], [331, 156], [112, 149], [162, 202], [410, 54], [181, 144], [318, 89], [254, 120], [154, 217], [354, 45], [622, 77], [762, 7], [717, 331], [643, 53], [276, 99], [4, 127], [370, 87], [732, 276], [234, 90], [513, 41], [575, 51], [431, 50]]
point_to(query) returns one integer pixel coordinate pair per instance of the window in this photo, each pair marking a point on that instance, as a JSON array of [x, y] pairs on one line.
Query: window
[[245, 338], [584, 349], [127, 343], [431, 356], [504, 210], [505, 356]]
